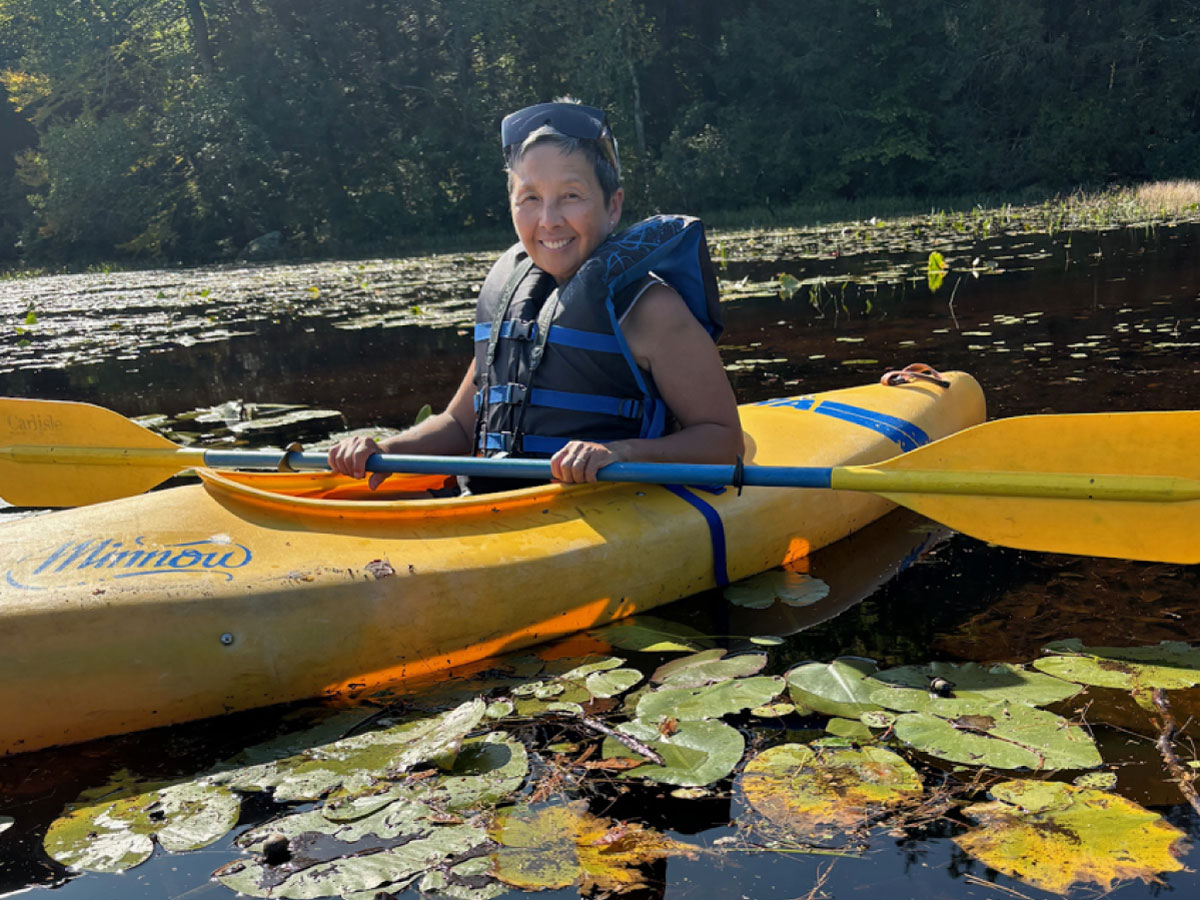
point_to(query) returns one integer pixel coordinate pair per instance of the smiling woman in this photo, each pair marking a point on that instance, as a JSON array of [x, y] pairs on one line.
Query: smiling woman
[[591, 346]]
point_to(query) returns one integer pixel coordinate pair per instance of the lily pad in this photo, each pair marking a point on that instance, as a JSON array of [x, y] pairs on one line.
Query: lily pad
[[580, 684], [840, 688], [650, 634], [391, 868], [113, 827], [710, 702], [999, 735], [813, 791], [546, 848], [469, 880], [852, 729], [361, 759], [973, 681], [774, 710], [708, 667], [695, 754], [763, 590], [6, 822], [1169, 665], [1101, 781], [1054, 836], [487, 770], [878, 718]]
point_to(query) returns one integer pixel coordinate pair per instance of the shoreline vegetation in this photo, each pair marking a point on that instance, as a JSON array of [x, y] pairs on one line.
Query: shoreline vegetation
[[837, 228]]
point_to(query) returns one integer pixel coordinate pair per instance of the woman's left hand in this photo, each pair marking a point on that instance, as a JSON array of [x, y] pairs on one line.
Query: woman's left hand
[[579, 461]]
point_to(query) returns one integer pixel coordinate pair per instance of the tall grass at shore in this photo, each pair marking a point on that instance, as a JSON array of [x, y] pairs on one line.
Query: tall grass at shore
[[1113, 207]]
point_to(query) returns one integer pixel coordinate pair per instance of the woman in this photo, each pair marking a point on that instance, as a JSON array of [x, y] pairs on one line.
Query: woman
[[590, 349]]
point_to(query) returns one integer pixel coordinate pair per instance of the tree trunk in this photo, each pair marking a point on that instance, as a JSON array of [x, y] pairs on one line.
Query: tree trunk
[[200, 34], [639, 125]]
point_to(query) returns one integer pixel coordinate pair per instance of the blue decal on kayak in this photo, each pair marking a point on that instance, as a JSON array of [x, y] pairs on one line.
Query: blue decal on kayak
[[900, 431], [106, 558], [716, 530]]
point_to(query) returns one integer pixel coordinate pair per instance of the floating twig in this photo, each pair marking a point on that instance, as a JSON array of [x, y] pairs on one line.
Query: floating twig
[[1166, 746], [628, 741]]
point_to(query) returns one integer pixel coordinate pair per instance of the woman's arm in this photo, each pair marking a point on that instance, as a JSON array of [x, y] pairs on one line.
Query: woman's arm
[[668, 342], [449, 433]]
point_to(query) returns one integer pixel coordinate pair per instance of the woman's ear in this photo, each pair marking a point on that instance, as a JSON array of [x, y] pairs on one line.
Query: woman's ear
[[615, 203]]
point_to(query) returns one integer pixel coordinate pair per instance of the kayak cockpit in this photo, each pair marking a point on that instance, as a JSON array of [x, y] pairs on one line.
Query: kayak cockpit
[[326, 494]]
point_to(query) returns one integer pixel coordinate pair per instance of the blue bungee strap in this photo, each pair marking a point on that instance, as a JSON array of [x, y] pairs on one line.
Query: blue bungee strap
[[716, 530]]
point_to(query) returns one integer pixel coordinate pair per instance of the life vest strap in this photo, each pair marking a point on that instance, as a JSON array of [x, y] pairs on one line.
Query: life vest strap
[[506, 442]]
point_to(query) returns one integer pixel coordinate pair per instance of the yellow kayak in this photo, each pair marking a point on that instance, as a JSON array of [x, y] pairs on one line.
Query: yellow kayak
[[252, 589]]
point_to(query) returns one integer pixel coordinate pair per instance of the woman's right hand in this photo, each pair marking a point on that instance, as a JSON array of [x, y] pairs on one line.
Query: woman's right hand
[[349, 457]]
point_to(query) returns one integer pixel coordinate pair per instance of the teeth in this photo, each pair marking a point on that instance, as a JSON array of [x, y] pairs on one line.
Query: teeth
[[557, 245]]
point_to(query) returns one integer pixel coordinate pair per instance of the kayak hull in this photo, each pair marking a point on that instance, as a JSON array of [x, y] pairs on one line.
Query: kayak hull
[[253, 589]]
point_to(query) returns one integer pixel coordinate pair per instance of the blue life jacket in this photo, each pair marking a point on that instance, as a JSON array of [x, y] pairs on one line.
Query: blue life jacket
[[551, 363]]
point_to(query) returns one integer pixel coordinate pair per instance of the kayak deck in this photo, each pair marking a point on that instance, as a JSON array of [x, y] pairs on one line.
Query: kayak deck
[[252, 589]]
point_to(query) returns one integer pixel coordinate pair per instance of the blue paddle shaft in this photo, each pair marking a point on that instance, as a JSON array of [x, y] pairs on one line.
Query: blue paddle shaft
[[535, 469]]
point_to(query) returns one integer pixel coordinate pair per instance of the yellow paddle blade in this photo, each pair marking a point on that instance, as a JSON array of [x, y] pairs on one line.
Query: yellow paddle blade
[[41, 463], [1150, 458]]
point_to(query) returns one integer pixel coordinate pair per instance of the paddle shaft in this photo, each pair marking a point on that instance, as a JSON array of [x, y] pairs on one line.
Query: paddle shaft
[[1134, 488]]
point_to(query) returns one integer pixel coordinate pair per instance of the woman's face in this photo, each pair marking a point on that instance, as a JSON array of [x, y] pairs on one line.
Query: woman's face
[[558, 209]]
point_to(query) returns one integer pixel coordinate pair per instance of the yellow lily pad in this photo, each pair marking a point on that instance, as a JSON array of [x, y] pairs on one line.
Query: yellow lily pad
[[1054, 836], [814, 791], [551, 847]]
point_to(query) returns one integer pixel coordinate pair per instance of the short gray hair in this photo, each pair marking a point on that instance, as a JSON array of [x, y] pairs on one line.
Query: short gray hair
[[608, 177]]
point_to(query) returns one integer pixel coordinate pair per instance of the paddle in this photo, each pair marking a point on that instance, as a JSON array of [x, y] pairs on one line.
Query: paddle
[[1125, 485]]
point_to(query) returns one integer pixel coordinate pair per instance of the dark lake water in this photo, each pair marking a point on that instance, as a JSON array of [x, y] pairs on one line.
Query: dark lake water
[[1080, 322]]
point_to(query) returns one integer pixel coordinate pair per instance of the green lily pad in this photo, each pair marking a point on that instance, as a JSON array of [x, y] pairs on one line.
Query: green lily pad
[[973, 681], [852, 729], [392, 868], [708, 667], [499, 709], [696, 754], [709, 702], [1054, 836], [814, 791], [1169, 665], [650, 634], [469, 880], [840, 688], [610, 684], [361, 759], [330, 725], [114, 827], [580, 684], [6, 822], [999, 735], [774, 710], [763, 590], [878, 718], [487, 770], [554, 847]]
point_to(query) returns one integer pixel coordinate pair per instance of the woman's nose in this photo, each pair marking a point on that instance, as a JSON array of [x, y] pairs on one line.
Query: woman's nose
[[551, 213]]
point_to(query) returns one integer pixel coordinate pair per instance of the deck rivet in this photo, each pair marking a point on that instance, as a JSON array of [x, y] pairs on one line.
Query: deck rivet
[[227, 639]]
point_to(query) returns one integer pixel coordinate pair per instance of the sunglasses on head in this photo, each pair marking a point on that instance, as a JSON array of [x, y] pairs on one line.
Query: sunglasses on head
[[571, 119]]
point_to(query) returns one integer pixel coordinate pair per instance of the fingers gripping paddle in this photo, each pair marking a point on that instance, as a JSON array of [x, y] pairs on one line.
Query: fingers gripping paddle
[[1125, 485]]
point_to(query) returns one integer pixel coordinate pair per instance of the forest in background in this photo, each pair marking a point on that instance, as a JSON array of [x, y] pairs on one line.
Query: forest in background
[[182, 129]]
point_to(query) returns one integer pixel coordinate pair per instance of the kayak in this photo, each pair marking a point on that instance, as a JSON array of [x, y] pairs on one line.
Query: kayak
[[250, 589]]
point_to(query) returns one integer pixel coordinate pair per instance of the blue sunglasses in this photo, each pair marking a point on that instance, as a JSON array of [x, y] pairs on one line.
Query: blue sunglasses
[[571, 119]]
